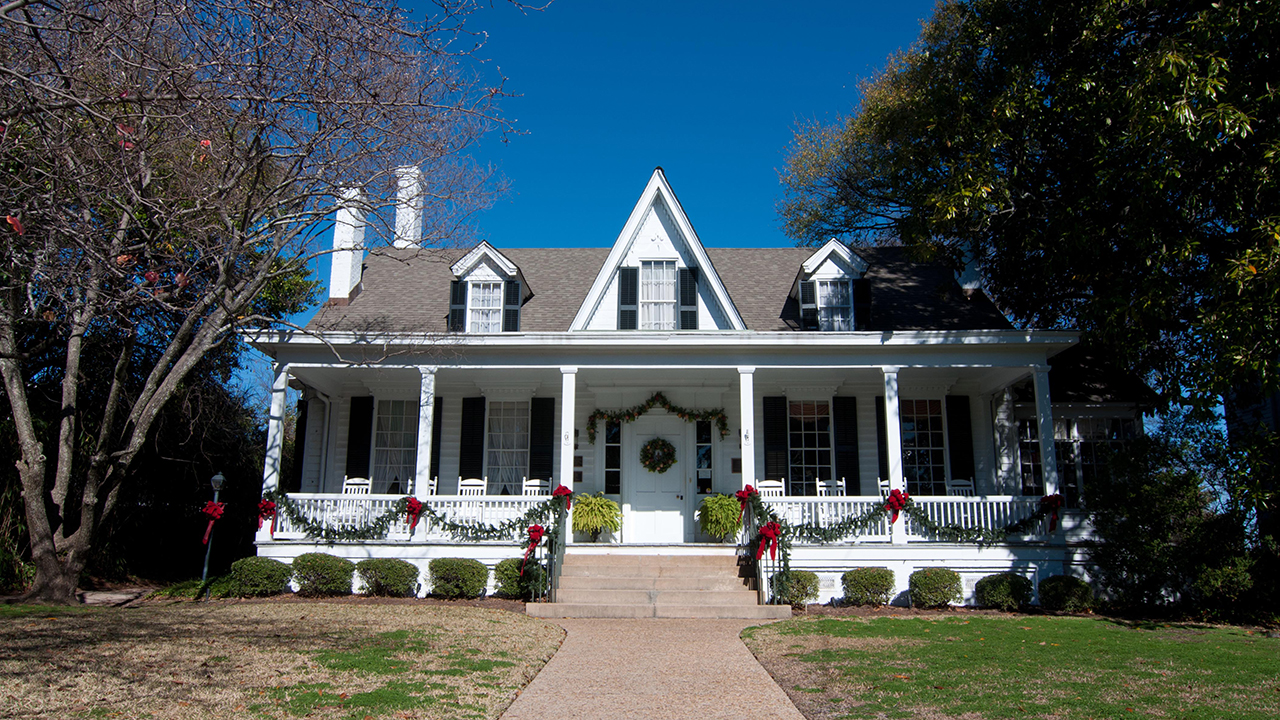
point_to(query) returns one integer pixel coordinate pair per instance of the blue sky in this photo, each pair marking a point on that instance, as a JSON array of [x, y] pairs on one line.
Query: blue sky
[[711, 91]]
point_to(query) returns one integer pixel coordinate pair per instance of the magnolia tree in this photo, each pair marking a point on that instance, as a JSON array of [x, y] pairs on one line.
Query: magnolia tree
[[168, 167]]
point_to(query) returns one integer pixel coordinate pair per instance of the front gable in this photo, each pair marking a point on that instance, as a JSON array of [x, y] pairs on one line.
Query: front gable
[[658, 274]]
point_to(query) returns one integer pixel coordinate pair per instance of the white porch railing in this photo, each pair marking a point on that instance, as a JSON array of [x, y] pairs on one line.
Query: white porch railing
[[336, 510], [991, 512]]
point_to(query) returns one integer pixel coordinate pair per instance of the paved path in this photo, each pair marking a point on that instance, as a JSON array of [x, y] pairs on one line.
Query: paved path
[[655, 670]]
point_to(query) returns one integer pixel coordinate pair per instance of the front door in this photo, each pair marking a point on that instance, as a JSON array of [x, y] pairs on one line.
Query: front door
[[657, 500]]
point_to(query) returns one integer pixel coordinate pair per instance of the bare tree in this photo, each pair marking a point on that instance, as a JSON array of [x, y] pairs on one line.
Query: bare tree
[[168, 168]]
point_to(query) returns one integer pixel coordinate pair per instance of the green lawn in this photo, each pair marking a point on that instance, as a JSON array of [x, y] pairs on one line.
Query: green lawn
[[1019, 667]]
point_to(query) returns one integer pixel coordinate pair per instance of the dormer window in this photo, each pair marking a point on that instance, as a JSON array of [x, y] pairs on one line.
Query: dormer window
[[658, 295], [485, 308], [835, 309], [825, 288], [487, 294]]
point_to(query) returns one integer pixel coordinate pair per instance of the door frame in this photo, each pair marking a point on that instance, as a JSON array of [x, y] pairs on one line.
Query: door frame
[[685, 462]]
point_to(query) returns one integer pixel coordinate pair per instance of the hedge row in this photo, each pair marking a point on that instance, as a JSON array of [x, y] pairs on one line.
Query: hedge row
[[940, 587]]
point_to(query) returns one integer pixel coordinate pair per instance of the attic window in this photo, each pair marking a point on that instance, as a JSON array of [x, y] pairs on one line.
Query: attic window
[[484, 306], [826, 305], [658, 295]]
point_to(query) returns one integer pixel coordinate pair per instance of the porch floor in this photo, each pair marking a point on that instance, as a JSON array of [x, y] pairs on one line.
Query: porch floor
[[652, 670]]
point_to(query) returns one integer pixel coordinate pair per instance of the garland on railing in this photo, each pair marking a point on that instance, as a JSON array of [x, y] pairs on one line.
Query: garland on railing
[[657, 400], [376, 528]]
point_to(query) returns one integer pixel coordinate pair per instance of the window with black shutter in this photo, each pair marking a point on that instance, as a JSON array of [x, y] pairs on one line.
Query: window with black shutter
[[809, 305], [628, 297], [775, 438], [458, 306], [359, 437], [471, 450], [542, 438], [960, 440], [862, 304], [882, 439], [511, 307], [844, 415], [437, 422], [689, 298]]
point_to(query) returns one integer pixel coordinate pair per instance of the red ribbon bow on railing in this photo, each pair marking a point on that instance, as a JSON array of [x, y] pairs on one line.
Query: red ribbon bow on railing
[[267, 509], [214, 511], [1051, 504], [895, 503], [412, 511], [744, 498], [536, 532], [562, 490], [769, 535]]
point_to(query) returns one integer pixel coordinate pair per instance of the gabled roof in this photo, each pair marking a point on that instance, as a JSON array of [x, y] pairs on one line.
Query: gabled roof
[[658, 190], [502, 262], [840, 250]]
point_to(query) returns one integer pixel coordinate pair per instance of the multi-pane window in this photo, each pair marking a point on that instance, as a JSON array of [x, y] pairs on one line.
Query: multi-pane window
[[612, 457], [1081, 447], [923, 447], [809, 441], [658, 295], [486, 307], [834, 305], [508, 447], [395, 446], [702, 449]]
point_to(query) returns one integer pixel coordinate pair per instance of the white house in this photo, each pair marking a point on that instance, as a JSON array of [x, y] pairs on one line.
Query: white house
[[841, 372]]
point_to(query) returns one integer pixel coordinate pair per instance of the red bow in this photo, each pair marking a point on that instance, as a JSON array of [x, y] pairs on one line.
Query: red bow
[[267, 509], [744, 497], [214, 511], [1050, 504], [535, 536], [413, 510], [769, 535], [895, 503], [562, 490]]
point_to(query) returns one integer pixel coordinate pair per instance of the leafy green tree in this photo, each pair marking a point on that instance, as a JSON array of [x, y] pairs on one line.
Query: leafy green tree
[[1109, 165], [167, 170]]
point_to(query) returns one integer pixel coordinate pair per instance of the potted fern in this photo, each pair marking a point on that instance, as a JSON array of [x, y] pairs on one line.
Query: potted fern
[[720, 516], [594, 514]]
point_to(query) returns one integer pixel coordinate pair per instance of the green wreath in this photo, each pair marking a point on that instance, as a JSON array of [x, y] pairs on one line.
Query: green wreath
[[657, 455]]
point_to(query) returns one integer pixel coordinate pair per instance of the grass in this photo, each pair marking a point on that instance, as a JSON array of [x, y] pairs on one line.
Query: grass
[[267, 660], [985, 667]]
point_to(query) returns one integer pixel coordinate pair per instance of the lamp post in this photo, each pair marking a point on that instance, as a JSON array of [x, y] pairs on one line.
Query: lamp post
[[216, 481]]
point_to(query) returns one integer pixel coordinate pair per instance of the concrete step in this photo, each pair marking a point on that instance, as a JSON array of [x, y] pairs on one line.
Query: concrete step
[[649, 561], [591, 610], [657, 597], [714, 582], [668, 571]]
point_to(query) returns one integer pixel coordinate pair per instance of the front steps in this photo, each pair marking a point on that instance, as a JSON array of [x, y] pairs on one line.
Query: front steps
[[654, 586]]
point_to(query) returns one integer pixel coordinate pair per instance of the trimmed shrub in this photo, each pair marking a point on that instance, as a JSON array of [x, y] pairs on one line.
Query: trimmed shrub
[[458, 577], [1064, 593], [388, 577], [511, 584], [868, 586], [1004, 591], [796, 587], [934, 587], [259, 577], [322, 575]]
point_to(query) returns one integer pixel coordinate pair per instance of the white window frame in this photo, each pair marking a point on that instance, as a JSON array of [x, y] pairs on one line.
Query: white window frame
[[1068, 445], [669, 305], [794, 483], [826, 318], [507, 467], [485, 318], [382, 472]]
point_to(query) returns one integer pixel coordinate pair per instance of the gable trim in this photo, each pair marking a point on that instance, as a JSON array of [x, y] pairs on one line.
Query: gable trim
[[658, 187]]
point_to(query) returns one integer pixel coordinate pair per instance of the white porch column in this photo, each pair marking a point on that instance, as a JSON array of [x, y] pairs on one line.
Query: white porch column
[[893, 445], [747, 414], [1006, 444], [275, 440], [426, 415], [568, 400], [1044, 427]]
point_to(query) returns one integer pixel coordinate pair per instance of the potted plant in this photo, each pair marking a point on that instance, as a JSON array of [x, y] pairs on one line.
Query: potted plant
[[594, 514], [720, 516]]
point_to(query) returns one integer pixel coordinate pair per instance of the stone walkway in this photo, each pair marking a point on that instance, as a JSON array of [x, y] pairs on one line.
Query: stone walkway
[[652, 669]]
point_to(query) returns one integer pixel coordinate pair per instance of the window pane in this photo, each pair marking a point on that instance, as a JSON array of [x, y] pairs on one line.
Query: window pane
[[395, 446], [658, 295], [923, 461], [508, 447]]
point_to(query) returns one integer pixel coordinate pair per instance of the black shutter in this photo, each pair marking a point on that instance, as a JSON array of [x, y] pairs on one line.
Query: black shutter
[[294, 481], [862, 304], [359, 435], [882, 442], [809, 305], [511, 310], [471, 450], [844, 413], [775, 438], [628, 297], [457, 306], [689, 298], [960, 437], [437, 423], [542, 438]]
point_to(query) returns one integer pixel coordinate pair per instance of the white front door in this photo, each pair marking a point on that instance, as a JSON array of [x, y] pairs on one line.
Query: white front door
[[657, 500]]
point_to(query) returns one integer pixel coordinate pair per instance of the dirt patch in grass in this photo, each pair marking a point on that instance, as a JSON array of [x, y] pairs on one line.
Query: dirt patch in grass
[[269, 659]]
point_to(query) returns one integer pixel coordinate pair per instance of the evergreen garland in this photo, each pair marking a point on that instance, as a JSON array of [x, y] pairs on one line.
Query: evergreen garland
[[657, 400], [376, 529]]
